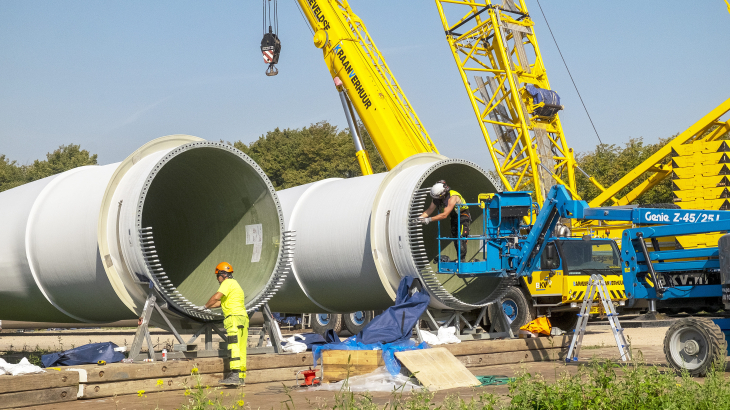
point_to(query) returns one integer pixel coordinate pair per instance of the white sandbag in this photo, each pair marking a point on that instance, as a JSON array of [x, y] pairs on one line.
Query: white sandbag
[[292, 345], [445, 335], [448, 335], [429, 337], [23, 367]]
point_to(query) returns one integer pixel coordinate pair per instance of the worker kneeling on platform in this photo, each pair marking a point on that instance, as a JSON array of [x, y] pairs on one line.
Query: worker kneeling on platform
[[230, 298], [446, 199]]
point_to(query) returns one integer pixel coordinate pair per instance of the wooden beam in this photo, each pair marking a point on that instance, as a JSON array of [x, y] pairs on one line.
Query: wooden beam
[[40, 381], [37, 397]]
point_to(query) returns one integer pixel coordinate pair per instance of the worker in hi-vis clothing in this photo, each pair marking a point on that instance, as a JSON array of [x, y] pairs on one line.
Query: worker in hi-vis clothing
[[230, 298], [445, 200]]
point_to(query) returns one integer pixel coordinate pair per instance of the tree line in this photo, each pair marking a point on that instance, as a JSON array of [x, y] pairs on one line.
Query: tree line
[[292, 157], [64, 158]]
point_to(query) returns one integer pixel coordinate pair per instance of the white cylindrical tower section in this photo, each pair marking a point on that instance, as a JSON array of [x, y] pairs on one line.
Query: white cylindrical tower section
[[356, 240], [83, 245]]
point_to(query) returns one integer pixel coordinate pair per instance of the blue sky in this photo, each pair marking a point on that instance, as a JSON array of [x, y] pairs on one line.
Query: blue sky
[[112, 75]]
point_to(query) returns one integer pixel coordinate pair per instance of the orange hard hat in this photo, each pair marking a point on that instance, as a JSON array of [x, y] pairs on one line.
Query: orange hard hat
[[224, 267]]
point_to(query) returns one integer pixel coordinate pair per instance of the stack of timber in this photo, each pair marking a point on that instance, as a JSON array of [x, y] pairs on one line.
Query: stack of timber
[[701, 180], [339, 364], [94, 381], [477, 355], [129, 378], [38, 389]]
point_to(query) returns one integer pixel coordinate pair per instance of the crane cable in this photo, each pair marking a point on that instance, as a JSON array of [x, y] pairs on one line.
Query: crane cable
[[569, 74], [267, 17]]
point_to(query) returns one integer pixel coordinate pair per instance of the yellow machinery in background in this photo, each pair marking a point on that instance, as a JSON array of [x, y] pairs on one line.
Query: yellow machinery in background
[[366, 84], [495, 42]]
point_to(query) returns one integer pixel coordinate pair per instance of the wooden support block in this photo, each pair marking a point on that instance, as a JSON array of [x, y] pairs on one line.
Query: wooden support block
[[501, 346], [437, 369], [96, 390], [39, 381], [276, 361], [337, 364], [113, 372], [38, 397], [491, 359], [286, 375]]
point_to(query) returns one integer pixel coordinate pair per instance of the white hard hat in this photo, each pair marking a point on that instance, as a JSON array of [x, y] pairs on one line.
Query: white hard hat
[[439, 189]]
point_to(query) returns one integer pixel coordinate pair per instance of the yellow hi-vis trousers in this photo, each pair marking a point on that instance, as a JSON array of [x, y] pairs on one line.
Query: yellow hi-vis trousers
[[237, 331]]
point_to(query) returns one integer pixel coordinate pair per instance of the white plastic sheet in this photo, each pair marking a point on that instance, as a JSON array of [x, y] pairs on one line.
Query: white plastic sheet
[[379, 380], [445, 335], [292, 345], [23, 367]]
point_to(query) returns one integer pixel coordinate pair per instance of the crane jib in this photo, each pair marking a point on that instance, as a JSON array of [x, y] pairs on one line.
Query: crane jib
[[318, 14], [353, 76]]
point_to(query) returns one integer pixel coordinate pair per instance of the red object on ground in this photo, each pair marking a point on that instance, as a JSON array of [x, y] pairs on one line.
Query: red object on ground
[[310, 378]]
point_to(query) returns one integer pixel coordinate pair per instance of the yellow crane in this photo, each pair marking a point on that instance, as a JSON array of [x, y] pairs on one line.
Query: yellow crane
[[366, 84], [495, 43], [496, 39]]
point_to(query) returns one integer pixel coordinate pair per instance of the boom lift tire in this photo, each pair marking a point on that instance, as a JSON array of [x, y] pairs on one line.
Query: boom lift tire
[[322, 322], [518, 308], [695, 344], [356, 321], [566, 321]]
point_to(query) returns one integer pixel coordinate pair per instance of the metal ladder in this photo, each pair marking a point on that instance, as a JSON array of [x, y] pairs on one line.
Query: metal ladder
[[597, 283]]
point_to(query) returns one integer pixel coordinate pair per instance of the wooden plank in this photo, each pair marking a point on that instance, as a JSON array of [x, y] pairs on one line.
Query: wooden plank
[[91, 373], [437, 369], [96, 390], [286, 375], [38, 397], [353, 357], [526, 356], [337, 372], [338, 364], [137, 371], [500, 346], [49, 380], [275, 361]]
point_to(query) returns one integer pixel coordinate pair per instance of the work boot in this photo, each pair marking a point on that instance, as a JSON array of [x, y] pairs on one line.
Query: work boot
[[233, 379]]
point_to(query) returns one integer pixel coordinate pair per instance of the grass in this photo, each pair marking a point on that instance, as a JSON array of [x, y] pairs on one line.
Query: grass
[[609, 385], [33, 355], [596, 385]]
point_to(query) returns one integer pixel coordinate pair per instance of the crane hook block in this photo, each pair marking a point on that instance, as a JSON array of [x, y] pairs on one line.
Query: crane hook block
[[270, 48]]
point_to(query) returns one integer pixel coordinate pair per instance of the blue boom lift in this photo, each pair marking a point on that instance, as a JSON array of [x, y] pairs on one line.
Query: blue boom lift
[[512, 248]]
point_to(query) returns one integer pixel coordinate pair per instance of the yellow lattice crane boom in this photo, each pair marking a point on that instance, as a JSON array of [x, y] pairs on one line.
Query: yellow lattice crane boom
[[494, 43], [366, 84]]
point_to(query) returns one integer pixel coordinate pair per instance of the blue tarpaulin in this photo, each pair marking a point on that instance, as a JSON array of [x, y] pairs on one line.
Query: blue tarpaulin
[[397, 322], [391, 330], [86, 354], [283, 319]]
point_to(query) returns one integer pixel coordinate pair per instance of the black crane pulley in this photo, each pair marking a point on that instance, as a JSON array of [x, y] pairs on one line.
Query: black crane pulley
[[270, 44], [270, 48]]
